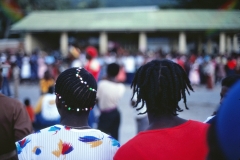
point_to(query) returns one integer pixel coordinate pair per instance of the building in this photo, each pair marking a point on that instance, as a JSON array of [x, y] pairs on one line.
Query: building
[[184, 31]]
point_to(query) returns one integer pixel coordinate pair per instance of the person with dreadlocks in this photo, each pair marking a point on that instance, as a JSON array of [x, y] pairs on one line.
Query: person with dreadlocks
[[73, 138], [161, 84]]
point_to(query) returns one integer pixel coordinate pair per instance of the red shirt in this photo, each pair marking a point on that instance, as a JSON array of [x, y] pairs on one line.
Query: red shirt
[[93, 67], [187, 141], [30, 113], [232, 64]]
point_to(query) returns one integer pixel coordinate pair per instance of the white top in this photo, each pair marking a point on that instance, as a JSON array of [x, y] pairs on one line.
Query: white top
[[109, 93], [26, 68], [49, 110], [61, 142], [129, 64], [208, 119]]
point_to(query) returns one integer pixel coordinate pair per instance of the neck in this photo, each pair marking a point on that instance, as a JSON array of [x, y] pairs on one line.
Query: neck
[[164, 121], [112, 79], [75, 120]]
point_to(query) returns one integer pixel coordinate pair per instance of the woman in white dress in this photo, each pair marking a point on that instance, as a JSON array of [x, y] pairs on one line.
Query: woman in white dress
[[26, 68]]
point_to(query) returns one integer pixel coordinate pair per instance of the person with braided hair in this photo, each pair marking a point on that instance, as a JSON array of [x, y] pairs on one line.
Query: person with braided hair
[[161, 84], [73, 138]]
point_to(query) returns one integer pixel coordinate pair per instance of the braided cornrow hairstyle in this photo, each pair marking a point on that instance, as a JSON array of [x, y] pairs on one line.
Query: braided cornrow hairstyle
[[76, 89], [161, 84]]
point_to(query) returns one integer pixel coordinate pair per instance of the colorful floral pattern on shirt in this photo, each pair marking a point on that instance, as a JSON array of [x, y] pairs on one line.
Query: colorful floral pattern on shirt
[[93, 141], [21, 144], [37, 150], [55, 129], [114, 141], [64, 142], [63, 149]]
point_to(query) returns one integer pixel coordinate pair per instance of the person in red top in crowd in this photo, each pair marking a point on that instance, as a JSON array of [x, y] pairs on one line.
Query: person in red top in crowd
[[93, 67], [231, 65], [161, 84], [92, 64], [29, 109]]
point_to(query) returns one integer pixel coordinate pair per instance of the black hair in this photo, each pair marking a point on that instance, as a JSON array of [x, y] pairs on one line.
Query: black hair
[[113, 69], [229, 81], [161, 84], [51, 89], [76, 88], [47, 75], [26, 102]]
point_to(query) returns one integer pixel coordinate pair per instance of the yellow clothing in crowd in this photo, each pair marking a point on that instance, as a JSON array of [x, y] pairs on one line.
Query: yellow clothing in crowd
[[45, 84]]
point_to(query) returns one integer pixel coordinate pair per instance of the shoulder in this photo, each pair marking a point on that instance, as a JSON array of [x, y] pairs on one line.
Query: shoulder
[[11, 102], [198, 127], [131, 143], [199, 124], [23, 144], [130, 150]]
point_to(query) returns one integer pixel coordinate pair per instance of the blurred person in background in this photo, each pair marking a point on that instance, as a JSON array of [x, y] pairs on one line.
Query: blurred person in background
[[194, 76], [5, 83], [220, 68], [46, 82], [129, 67], [75, 57], [34, 65], [29, 109], [46, 111], [227, 83], [26, 68], [209, 71], [231, 65], [16, 79], [92, 66], [72, 138], [161, 84], [42, 66], [237, 70], [14, 124], [108, 95]]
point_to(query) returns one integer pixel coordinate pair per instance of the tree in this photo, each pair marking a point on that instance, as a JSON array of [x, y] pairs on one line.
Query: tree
[[33, 5]]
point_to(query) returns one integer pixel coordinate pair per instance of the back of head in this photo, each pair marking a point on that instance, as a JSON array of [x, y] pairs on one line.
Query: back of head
[[113, 69], [27, 102], [47, 75], [161, 84], [230, 80], [76, 88]]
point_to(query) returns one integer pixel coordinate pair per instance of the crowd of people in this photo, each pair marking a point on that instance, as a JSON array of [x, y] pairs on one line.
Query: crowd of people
[[64, 122], [201, 69]]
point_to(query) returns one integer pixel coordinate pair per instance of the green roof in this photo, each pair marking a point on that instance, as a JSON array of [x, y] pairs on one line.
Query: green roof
[[128, 20]]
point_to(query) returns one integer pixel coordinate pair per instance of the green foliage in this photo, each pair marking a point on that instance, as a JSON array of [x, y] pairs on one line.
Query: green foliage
[[32, 5]]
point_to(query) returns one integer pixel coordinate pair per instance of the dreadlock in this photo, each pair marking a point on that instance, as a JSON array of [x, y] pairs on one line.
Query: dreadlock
[[161, 84], [76, 92]]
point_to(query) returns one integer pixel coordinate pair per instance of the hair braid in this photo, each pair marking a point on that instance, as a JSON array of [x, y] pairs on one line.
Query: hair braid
[[76, 92], [161, 84]]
